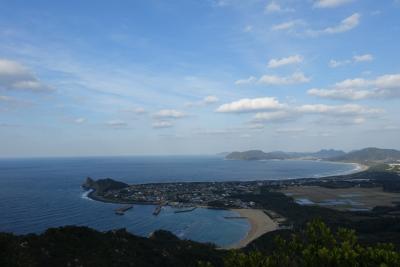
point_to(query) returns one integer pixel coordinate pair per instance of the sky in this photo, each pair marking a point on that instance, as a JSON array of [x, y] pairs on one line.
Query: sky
[[154, 77]]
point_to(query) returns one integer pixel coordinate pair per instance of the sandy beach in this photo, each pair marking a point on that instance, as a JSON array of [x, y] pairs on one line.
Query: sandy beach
[[260, 223]]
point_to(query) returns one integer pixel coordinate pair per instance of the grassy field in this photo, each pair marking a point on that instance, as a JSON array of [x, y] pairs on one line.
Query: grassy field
[[343, 198]]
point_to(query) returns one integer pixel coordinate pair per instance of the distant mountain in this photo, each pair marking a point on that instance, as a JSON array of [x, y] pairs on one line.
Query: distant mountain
[[257, 155], [328, 153], [223, 154], [371, 154], [260, 155]]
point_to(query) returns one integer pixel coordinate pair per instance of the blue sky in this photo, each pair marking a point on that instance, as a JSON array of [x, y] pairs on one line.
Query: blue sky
[[197, 77]]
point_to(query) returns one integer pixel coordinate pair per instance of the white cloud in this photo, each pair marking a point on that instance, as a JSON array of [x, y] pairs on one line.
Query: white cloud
[[5, 99], [80, 120], [346, 94], [248, 28], [290, 130], [355, 89], [208, 100], [16, 77], [341, 114], [251, 105], [274, 7], [356, 59], [276, 63], [297, 77], [275, 116], [169, 114], [136, 110], [162, 124], [339, 110], [116, 124], [330, 3], [288, 25], [249, 80], [345, 25], [363, 58], [338, 63], [269, 110]]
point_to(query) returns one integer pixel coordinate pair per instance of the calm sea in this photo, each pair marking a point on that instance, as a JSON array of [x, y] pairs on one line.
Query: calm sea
[[36, 194]]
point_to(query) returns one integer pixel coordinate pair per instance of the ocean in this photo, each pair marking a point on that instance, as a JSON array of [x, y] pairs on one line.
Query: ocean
[[39, 193]]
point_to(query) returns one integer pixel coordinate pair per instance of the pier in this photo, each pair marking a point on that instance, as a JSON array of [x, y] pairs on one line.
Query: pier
[[185, 210], [157, 210], [122, 210]]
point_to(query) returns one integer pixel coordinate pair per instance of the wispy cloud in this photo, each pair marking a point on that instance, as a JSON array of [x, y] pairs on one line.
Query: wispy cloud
[[249, 80], [331, 3], [356, 59], [345, 25], [208, 100], [169, 114], [162, 124], [276, 63], [267, 79], [295, 78], [385, 86], [16, 77], [274, 7], [287, 25], [80, 120], [117, 124], [250, 105]]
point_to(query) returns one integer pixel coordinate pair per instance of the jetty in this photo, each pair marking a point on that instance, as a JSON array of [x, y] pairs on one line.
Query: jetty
[[235, 217], [185, 210], [122, 210], [157, 210]]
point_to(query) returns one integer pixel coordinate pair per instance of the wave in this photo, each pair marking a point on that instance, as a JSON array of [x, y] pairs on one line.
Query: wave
[[85, 195]]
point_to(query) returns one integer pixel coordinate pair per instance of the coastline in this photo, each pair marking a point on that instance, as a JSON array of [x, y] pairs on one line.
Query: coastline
[[260, 223], [361, 167]]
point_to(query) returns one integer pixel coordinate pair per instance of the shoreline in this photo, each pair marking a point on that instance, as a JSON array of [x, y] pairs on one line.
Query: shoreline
[[260, 223], [362, 167]]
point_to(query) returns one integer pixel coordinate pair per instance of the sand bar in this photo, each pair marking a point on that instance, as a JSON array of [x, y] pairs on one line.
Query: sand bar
[[260, 223]]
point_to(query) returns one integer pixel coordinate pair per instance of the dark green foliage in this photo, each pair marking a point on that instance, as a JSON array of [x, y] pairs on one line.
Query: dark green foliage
[[103, 185], [372, 227], [318, 246], [81, 246]]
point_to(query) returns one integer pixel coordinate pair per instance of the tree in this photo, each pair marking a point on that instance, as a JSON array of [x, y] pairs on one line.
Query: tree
[[317, 245]]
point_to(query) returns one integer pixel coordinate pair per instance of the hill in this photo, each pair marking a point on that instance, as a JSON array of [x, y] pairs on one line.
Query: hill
[[260, 155], [257, 155], [370, 155], [82, 246], [103, 185]]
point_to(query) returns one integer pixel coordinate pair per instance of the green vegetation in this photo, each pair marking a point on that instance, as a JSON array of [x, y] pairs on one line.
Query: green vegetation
[[380, 225], [260, 155], [103, 185], [82, 246], [371, 154], [317, 245]]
